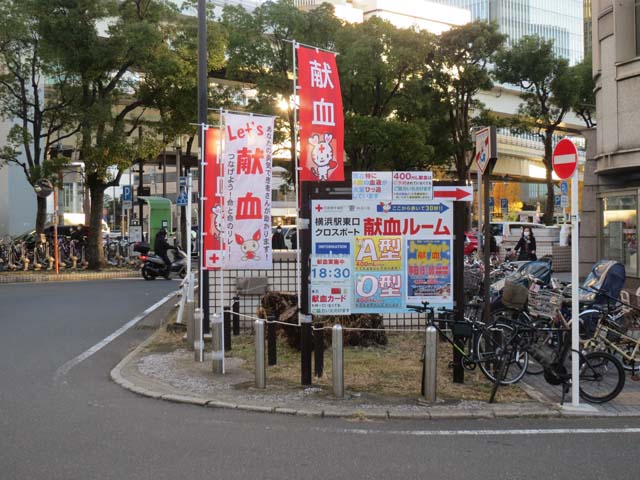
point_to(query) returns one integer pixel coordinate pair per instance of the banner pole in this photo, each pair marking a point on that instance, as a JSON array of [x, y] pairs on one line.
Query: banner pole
[[223, 236], [201, 270], [294, 142], [575, 278]]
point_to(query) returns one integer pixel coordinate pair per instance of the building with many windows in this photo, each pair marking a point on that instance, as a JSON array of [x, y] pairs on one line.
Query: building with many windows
[[609, 222], [560, 21]]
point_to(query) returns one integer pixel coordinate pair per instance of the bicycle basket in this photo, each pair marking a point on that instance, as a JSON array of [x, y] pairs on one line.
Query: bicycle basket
[[472, 280], [545, 303], [514, 295]]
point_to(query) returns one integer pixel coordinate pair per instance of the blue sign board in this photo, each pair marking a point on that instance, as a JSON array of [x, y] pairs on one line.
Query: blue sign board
[[182, 200], [504, 204], [564, 187], [491, 203], [557, 201], [127, 193]]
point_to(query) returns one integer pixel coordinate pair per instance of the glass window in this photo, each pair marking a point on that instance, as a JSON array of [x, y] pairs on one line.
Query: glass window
[[620, 230]]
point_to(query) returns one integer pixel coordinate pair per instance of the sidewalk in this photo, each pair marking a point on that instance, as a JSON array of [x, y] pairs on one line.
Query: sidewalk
[[65, 275], [173, 375]]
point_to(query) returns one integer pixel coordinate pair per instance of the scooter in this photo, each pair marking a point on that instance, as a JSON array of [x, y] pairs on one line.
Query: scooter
[[153, 266]]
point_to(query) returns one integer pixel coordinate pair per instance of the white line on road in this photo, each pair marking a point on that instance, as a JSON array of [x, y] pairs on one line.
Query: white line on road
[[451, 433], [64, 369]]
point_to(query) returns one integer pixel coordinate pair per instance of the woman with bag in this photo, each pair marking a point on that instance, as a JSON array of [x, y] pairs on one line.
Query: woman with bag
[[526, 246]]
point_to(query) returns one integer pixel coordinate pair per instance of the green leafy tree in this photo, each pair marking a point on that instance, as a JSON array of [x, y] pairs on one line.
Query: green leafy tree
[[115, 75], [376, 61], [585, 101], [260, 52], [548, 92], [454, 72], [39, 109]]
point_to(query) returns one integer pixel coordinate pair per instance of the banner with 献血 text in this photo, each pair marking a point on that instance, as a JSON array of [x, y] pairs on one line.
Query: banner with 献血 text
[[247, 184], [212, 219], [321, 116]]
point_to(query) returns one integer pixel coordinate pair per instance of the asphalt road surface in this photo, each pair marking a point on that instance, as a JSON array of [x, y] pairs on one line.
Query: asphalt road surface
[[62, 418]]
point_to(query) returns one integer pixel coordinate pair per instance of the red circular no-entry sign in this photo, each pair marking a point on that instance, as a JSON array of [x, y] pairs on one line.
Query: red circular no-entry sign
[[565, 158]]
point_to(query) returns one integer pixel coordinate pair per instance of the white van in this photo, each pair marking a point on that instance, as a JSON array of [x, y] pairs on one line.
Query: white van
[[500, 230]]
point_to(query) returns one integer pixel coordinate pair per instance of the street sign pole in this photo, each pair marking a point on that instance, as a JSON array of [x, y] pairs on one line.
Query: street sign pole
[[575, 265], [565, 165]]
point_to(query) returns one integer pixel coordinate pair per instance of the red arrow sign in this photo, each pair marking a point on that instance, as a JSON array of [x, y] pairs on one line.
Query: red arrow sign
[[565, 158], [455, 193]]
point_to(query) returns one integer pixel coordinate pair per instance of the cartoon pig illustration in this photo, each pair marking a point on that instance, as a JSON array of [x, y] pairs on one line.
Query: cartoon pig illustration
[[216, 221], [322, 156], [249, 247]]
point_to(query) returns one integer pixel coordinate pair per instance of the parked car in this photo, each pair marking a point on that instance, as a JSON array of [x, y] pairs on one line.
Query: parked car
[[500, 230]]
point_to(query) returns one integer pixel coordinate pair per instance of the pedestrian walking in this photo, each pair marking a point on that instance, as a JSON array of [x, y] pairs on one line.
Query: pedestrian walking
[[526, 246], [277, 239]]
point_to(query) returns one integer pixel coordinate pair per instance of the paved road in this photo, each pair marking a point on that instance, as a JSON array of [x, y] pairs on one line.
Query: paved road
[[82, 426]]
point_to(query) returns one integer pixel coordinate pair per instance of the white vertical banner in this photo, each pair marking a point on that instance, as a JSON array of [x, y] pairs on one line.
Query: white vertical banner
[[247, 184]]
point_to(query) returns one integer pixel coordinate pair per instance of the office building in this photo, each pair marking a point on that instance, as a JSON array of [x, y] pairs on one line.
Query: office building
[[609, 218]]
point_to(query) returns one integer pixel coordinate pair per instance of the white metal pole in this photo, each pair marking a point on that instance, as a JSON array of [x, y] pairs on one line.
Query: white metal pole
[[223, 234], [480, 205], [294, 142], [188, 239], [575, 265], [199, 318]]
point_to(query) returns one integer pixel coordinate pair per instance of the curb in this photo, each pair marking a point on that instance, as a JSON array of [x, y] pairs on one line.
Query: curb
[[66, 277], [117, 377]]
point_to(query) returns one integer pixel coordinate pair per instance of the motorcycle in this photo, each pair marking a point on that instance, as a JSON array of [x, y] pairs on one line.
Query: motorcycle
[[153, 266]]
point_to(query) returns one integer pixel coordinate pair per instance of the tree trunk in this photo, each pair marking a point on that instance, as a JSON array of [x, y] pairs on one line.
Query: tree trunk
[[547, 217], [95, 254], [41, 214]]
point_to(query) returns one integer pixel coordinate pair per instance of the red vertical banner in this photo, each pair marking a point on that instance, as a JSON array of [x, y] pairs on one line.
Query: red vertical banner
[[321, 117], [213, 223]]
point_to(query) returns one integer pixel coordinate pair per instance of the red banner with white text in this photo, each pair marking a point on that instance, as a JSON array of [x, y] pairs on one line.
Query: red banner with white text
[[321, 117], [213, 218]]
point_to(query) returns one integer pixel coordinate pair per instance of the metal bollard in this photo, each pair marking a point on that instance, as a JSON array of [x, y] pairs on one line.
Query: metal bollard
[[261, 372], [217, 344], [430, 363], [189, 320], [337, 369], [198, 340]]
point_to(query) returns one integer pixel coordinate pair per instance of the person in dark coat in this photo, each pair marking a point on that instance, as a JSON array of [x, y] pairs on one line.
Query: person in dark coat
[[294, 239], [526, 246], [161, 247], [277, 239]]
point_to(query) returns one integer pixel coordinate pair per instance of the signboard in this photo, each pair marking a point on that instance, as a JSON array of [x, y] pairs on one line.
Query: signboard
[[491, 203], [182, 200], [330, 299], [127, 197], [378, 275], [557, 202], [504, 205], [564, 201], [400, 251], [135, 233], [412, 186], [429, 271], [565, 158], [247, 185], [458, 194], [485, 147], [564, 187], [331, 291], [321, 116], [335, 223], [213, 215], [373, 186]]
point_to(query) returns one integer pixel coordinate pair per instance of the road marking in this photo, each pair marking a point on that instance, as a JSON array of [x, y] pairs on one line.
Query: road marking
[[479, 433], [64, 369]]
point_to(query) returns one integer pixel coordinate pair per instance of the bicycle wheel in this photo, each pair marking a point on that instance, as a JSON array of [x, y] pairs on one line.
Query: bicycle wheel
[[491, 344], [601, 377], [630, 360]]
